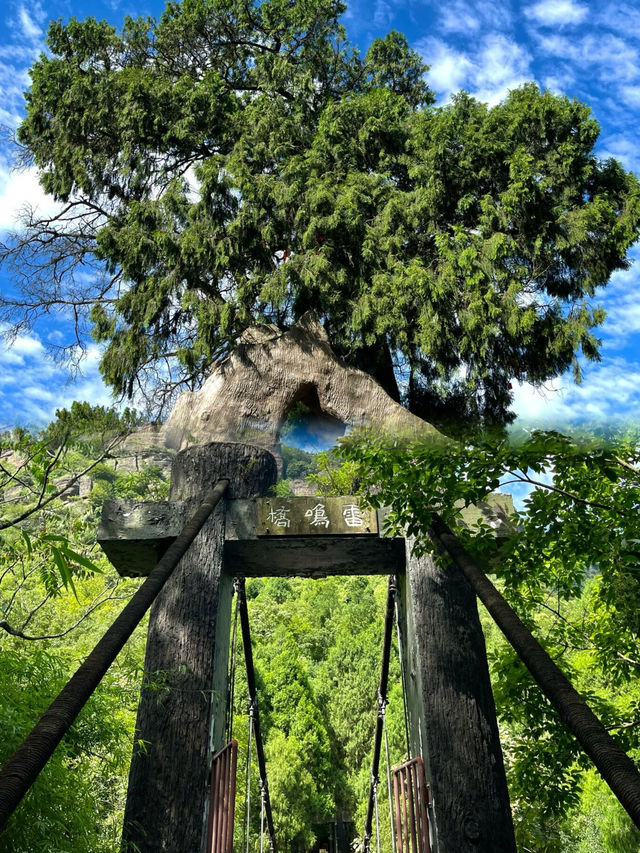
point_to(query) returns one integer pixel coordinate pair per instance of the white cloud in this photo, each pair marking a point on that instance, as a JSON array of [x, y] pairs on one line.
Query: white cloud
[[620, 301], [20, 189], [27, 345], [23, 40], [458, 17], [631, 95], [383, 14], [14, 80], [622, 147], [502, 65], [468, 16], [559, 83], [557, 13], [450, 70], [610, 391], [30, 29], [615, 58], [32, 386], [497, 65], [623, 18]]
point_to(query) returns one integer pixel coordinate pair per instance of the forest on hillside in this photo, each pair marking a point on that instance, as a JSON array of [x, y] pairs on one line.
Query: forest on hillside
[[317, 643]]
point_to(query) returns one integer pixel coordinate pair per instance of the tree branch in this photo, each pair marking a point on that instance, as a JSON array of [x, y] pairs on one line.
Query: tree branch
[[58, 492], [21, 635]]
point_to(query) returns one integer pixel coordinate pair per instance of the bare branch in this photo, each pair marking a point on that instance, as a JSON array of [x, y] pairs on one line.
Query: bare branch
[[5, 626]]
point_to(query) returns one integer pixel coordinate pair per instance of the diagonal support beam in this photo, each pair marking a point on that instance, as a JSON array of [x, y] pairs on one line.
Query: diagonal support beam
[[23, 768], [615, 766], [382, 701], [253, 699]]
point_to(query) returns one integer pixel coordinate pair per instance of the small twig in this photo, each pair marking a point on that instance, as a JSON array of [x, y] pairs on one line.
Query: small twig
[[17, 633], [58, 492], [525, 478], [626, 465]]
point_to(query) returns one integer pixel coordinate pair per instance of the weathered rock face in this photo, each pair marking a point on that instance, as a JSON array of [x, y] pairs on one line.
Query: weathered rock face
[[248, 396]]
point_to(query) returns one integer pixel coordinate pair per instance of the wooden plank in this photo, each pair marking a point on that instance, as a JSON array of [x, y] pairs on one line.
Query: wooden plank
[[312, 556], [135, 534]]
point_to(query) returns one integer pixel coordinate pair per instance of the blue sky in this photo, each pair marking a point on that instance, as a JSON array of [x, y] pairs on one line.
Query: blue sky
[[586, 50]]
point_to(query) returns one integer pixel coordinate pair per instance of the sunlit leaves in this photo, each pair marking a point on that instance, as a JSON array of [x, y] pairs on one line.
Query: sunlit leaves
[[570, 567]]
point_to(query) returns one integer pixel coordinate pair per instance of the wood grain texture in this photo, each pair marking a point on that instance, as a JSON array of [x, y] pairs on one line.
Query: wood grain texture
[[187, 655], [452, 712]]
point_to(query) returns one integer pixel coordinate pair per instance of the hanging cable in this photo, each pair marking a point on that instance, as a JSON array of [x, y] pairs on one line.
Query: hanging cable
[[388, 763], [374, 782], [262, 801], [251, 683], [248, 777], [382, 701], [231, 681], [403, 676]]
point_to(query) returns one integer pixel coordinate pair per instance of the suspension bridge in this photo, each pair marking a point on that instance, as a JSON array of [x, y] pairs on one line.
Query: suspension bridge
[[449, 796], [408, 794]]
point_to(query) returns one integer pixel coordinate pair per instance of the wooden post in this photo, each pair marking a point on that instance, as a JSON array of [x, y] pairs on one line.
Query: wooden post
[[452, 717], [181, 713]]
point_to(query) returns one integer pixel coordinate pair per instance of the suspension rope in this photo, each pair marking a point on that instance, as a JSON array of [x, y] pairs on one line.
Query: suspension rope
[[382, 701], [262, 801], [231, 681], [374, 783], [403, 676], [388, 764], [251, 683], [248, 777]]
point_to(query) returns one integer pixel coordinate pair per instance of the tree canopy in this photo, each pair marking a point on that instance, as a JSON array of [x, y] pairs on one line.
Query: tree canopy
[[237, 162]]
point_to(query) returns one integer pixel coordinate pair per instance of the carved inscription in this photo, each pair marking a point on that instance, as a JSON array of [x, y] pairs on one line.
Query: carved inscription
[[308, 516]]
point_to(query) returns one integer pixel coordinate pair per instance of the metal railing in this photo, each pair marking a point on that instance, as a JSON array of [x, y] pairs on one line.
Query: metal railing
[[222, 799], [411, 797]]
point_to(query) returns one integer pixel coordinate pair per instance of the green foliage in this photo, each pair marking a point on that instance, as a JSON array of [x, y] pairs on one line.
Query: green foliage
[[58, 595], [76, 804], [90, 428], [570, 569], [317, 654], [333, 478], [282, 489], [606, 824], [297, 463], [466, 241]]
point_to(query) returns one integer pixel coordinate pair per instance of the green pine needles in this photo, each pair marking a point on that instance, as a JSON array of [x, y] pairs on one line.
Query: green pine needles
[[236, 163]]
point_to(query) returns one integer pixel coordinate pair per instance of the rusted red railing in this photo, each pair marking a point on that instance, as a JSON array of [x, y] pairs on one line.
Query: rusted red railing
[[222, 799], [411, 797]]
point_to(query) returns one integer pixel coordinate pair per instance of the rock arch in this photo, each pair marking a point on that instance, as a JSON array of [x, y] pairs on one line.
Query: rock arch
[[248, 396]]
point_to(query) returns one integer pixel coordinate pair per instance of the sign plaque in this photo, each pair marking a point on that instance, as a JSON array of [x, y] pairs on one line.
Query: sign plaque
[[313, 516]]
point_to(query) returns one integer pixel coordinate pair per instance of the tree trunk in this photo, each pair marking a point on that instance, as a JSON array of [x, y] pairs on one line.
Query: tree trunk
[[376, 360], [616, 767], [451, 710], [182, 704]]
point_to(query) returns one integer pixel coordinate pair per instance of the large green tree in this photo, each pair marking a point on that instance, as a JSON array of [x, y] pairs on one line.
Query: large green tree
[[237, 162]]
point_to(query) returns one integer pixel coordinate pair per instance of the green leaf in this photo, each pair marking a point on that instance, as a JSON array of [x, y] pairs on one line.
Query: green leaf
[[27, 541], [81, 560], [64, 569]]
